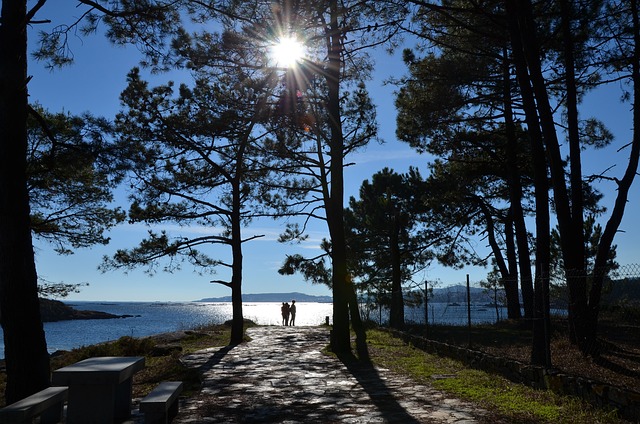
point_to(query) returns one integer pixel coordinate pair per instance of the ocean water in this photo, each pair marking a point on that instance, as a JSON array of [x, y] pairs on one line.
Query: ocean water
[[149, 318]]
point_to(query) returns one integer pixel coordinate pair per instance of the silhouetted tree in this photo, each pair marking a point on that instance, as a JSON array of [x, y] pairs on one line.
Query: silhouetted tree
[[581, 31], [331, 83], [198, 158], [27, 360], [388, 235]]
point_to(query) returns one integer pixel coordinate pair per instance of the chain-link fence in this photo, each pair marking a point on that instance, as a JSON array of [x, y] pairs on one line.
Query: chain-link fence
[[619, 293], [480, 302], [474, 314]]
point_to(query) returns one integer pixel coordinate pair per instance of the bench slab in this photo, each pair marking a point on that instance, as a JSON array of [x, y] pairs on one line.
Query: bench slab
[[160, 406], [47, 403]]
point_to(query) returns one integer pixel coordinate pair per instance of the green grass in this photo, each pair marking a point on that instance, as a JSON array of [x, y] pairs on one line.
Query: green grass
[[511, 402]]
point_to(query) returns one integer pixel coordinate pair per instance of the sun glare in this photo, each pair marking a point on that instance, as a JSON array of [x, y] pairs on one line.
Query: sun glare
[[287, 52]]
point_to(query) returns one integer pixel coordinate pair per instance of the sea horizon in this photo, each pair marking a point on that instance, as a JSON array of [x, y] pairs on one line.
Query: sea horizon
[[246, 297], [146, 318]]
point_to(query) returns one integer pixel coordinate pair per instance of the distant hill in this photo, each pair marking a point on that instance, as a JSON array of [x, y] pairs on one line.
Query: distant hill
[[272, 297], [451, 294], [458, 294], [619, 290]]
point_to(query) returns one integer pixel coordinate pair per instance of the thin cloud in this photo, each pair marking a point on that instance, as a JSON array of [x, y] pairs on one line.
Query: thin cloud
[[373, 156]]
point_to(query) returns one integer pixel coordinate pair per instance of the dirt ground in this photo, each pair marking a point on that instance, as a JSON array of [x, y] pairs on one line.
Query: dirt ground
[[618, 363]]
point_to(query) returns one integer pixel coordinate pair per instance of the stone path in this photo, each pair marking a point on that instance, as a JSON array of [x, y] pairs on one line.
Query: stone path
[[281, 376]]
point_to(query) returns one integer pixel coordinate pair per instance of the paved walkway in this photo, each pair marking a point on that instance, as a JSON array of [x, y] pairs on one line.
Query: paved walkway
[[281, 376]]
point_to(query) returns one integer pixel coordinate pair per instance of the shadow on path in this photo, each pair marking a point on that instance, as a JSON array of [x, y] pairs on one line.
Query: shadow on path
[[216, 358], [282, 375], [380, 393]]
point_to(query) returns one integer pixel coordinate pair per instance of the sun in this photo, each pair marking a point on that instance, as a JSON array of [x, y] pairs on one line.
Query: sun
[[287, 52]]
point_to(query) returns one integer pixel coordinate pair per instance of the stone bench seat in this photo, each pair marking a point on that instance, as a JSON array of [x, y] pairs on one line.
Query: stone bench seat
[[160, 406], [99, 388], [48, 404]]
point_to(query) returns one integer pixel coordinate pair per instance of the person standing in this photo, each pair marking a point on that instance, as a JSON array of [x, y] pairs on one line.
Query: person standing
[[292, 310], [285, 313]]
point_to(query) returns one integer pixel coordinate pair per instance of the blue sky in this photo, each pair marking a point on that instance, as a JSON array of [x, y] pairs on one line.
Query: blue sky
[[94, 83]]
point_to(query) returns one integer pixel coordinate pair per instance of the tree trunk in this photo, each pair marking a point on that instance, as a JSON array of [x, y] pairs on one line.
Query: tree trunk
[[491, 237], [510, 283], [518, 28], [524, 259], [571, 245], [515, 199], [237, 322], [358, 326], [570, 241], [340, 336], [523, 42], [575, 163], [396, 317], [570, 214], [27, 360]]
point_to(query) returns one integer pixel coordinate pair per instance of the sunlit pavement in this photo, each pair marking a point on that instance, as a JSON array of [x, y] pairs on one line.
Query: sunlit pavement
[[282, 376]]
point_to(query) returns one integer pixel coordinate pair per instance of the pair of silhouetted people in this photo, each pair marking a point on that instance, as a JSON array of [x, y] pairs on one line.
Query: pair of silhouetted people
[[288, 313]]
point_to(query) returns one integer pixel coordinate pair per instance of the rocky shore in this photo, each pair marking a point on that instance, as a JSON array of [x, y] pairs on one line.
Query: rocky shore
[[54, 310]]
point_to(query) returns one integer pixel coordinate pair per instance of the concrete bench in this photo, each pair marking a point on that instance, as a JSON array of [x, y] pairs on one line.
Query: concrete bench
[[161, 405], [48, 404], [99, 388]]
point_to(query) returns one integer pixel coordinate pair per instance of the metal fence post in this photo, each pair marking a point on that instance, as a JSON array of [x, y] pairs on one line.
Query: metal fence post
[[469, 309]]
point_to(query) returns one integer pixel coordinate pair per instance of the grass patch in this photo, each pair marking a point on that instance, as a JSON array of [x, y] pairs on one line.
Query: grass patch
[[124, 346], [511, 402], [618, 343]]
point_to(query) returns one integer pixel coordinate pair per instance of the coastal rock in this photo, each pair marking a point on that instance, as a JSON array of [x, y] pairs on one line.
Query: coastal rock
[[54, 310]]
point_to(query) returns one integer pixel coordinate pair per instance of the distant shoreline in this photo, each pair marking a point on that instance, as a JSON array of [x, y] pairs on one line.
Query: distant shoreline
[[272, 297]]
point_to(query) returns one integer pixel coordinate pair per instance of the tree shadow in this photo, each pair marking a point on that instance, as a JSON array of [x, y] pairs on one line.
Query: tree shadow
[[216, 358], [618, 359], [381, 395], [620, 369]]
